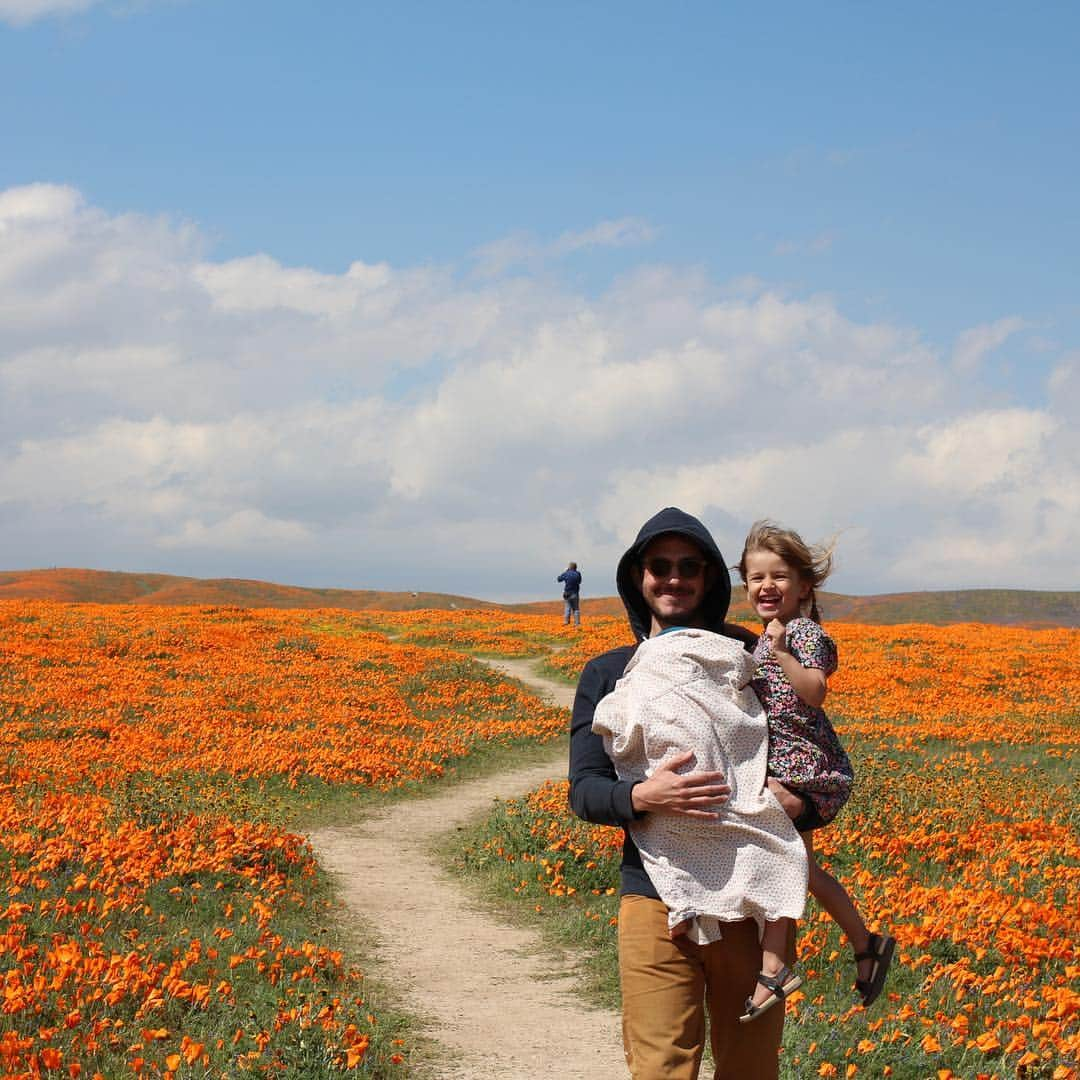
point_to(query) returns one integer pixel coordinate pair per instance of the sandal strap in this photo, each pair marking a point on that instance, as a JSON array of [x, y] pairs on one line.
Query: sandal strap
[[775, 983], [873, 948]]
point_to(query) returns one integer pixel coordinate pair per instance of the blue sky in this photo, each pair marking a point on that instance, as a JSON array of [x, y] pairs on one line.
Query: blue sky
[[599, 197]]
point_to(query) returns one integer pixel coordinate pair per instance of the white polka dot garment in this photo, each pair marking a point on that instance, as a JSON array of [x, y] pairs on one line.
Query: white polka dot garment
[[689, 689]]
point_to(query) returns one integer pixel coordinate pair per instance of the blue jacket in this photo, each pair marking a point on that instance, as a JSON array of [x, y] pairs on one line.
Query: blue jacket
[[572, 583]]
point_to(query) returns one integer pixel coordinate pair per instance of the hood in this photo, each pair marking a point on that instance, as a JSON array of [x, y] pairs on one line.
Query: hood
[[672, 520]]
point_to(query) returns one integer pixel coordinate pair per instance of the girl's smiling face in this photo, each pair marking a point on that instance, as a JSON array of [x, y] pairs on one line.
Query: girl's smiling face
[[774, 587]]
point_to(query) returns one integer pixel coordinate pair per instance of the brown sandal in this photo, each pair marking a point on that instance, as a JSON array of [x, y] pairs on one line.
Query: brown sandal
[[880, 949], [781, 984]]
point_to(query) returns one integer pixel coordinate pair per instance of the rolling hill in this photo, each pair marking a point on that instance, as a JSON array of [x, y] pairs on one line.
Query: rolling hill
[[116, 587], [1002, 607], [1010, 607]]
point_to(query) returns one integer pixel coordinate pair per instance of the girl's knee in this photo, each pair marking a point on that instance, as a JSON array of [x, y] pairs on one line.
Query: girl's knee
[[819, 879]]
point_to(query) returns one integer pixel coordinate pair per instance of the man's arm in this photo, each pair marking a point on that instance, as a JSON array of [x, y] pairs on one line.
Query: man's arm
[[596, 792]]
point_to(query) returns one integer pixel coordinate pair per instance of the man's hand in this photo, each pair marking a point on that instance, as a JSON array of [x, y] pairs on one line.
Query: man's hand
[[696, 794], [793, 804]]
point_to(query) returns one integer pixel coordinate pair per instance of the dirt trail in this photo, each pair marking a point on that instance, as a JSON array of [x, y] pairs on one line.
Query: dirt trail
[[492, 994]]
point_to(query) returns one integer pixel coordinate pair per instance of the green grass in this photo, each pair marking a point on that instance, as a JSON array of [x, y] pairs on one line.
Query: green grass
[[512, 856], [515, 890], [200, 920], [550, 672]]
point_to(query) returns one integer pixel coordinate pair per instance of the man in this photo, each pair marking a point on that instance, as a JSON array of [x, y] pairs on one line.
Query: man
[[571, 580], [672, 575]]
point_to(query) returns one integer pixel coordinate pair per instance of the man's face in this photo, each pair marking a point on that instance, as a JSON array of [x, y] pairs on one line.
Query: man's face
[[674, 578]]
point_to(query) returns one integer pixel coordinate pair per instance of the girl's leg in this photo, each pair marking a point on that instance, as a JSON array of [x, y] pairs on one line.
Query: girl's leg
[[833, 897], [774, 947]]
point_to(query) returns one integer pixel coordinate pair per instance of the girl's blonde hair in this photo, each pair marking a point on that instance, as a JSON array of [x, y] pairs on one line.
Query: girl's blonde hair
[[812, 562]]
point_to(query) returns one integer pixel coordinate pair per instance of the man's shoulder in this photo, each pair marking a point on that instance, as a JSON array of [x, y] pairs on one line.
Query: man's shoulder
[[613, 662], [599, 676]]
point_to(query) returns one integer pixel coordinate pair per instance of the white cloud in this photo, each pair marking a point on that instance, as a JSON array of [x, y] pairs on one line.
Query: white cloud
[[244, 530], [982, 452], [22, 12], [425, 428], [37, 202], [259, 283], [1064, 382], [989, 498], [526, 250], [815, 245], [623, 232], [973, 345], [108, 370]]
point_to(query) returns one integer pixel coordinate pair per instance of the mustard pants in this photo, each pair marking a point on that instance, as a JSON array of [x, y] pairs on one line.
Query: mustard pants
[[667, 986]]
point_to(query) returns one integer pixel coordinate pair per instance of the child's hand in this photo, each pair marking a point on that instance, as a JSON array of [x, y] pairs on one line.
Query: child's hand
[[793, 804], [776, 632]]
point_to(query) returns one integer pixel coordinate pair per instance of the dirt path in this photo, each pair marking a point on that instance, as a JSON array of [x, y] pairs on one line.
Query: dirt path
[[492, 994]]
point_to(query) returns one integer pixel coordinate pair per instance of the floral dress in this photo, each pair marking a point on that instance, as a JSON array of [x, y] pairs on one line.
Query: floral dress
[[804, 751]]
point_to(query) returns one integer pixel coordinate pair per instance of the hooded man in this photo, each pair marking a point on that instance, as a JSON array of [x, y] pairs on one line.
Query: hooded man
[[672, 575]]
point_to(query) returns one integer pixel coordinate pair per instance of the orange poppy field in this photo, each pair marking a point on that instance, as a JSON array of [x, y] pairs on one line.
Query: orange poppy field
[[162, 914], [158, 917], [961, 839]]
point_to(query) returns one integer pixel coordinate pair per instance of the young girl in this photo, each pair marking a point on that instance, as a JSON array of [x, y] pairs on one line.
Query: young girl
[[808, 770]]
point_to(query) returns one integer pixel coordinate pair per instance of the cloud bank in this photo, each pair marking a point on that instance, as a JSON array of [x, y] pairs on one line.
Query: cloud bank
[[22, 12], [431, 427]]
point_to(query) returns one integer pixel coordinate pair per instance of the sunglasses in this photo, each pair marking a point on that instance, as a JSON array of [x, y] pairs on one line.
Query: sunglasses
[[687, 567]]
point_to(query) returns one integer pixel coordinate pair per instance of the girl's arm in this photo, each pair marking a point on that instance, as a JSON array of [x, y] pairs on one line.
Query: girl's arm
[[811, 684]]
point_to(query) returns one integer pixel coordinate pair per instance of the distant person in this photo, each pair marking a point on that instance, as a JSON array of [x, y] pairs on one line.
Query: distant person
[[809, 772], [571, 594], [673, 575]]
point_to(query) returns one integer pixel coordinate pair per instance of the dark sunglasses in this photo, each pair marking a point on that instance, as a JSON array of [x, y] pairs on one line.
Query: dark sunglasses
[[686, 567]]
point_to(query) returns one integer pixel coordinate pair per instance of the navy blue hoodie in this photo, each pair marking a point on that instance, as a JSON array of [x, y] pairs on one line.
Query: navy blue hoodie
[[596, 793]]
